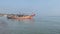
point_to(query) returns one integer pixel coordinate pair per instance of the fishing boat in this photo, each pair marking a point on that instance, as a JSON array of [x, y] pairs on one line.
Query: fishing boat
[[21, 16]]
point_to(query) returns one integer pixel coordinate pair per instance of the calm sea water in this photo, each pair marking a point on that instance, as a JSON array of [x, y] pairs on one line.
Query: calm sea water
[[42, 25]]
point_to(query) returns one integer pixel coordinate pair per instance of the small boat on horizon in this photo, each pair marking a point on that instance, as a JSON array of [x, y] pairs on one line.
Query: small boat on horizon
[[18, 17]]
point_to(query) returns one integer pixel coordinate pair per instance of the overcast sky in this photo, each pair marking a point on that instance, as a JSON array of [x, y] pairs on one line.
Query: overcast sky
[[41, 7]]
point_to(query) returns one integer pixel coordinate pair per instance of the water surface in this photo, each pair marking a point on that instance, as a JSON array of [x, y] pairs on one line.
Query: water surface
[[42, 25]]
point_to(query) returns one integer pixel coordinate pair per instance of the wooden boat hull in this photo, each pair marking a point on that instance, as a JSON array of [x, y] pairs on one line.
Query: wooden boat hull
[[21, 17], [24, 17]]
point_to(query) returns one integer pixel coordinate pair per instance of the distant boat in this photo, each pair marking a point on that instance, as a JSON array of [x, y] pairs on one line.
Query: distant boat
[[21, 16]]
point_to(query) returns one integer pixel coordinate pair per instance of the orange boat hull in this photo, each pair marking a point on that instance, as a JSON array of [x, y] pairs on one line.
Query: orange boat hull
[[19, 18], [22, 17], [25, 17]]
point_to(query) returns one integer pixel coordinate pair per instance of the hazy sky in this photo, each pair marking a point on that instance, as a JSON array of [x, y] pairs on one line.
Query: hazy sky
[[41, 7]]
